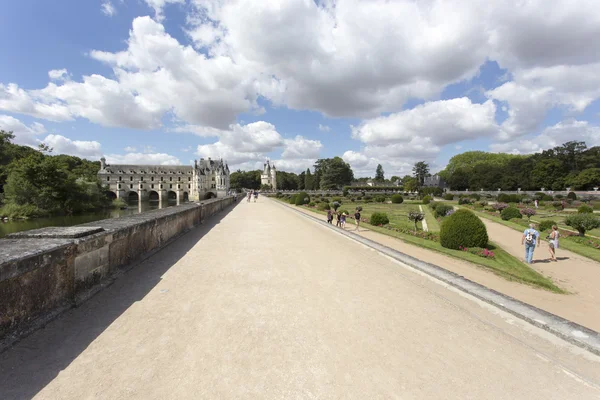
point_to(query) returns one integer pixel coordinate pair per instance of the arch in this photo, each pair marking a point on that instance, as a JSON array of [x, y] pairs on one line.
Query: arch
[[111, 195], [171, 196], [132, 197], [186, 196], [153, 196], [210, 195]]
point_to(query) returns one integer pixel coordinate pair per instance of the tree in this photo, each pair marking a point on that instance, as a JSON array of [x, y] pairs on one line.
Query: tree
[[301, 180], [420, 171], [309, 183], [336, 173], [394, 179], [582, 222], [586, 179], [379, 177], [410, 184], [246, 180]]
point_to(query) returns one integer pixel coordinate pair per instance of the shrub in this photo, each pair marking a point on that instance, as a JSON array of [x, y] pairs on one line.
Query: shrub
[[338, 199], [559, 196], [427, 199], [509, 198], [278, 195], [397, 199], [433, 205], [596, 206], [302, 198], [499, 206], [442, 209], [584, 209], [368, 198], [335, 205], [463, 229], [476, 196], [359, 198], [582, 222], [345, 192], [509, 213], [483, 203], [119, 203], [528, 212], [448, 196], [323, 206], [415, 217], [465, 200], [292, 199], [379, 219], [311, 204], [527, 201], [546, 224], [572, 196], [557, 204], [380, 199]]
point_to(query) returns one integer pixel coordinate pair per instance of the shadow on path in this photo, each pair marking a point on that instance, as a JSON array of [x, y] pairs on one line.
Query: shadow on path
[[32, 363]]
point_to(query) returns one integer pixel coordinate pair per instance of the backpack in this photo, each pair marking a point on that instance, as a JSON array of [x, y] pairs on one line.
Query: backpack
[[529, 237]]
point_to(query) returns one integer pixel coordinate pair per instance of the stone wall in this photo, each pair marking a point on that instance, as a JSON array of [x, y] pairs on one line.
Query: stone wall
[[46, 271]]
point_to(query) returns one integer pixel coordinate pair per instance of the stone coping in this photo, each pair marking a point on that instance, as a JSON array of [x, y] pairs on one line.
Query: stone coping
[[17, 249], [57, 232]]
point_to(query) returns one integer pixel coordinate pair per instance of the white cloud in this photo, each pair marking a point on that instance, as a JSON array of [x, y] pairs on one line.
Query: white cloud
[[301, 148], [63, 145], [58, 74], [24, 135], [130, 149], [324, 128], [108, 8], [142, 159], [364, 165], [17, 100], [553, 136], [159, 5], [294, 165]]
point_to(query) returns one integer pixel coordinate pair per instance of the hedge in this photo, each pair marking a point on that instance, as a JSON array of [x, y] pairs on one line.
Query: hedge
[[442, 209], [510, 212], [302, 198], [463, 229], [397, 199], [426, 199], [546, 224], [379, 219], [585, 209]]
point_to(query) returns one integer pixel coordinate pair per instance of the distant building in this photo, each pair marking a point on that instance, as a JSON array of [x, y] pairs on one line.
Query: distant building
[[269, 176], [434, 181]]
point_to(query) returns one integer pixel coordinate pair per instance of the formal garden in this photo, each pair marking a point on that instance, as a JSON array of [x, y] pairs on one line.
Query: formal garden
[[459, 234]]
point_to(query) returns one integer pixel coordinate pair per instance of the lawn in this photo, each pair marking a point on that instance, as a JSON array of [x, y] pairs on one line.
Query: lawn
[[504, 264], [397, 213]]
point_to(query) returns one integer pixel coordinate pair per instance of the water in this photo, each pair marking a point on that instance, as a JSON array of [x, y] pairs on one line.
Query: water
[[35, 223]]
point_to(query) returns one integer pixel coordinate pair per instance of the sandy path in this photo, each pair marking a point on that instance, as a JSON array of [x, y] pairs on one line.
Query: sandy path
[[580, 306], [266, 304]]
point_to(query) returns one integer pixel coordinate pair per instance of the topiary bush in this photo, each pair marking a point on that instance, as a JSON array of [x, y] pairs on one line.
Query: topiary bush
[[465, 200], [302, 198], [433, 205], [442, 209], [415, 217], [546, 224], [335, 205], [509, 198], [448, 196], [323, 206], [582, 222], [427, 199], [572, 196], [292, 199], [397, 199], [509, 213], [379, 218], [380, 199], [463, 229], [585, 209], [476, 196]]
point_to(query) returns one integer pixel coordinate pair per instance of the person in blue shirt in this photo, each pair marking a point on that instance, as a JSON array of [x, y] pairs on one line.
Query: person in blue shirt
[[530, 239]]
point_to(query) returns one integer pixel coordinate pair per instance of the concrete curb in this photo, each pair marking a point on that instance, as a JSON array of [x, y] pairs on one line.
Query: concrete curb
[[570, 331]]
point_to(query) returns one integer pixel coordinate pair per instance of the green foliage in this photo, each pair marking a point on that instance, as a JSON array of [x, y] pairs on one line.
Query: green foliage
[[582, 222], [379, 218], [302, 198], [323, 206], [415, 217], [334, 173], [572, 196], [463, 229], [335, 205], [596, 206], [292, 199], [442, 209], [14, 211], [245, 180], [465, 200], [379, 176], [287, 181], [118, 203], [397, 199], [546, 224], [586, 179], [585, 209], [266, 188], [510, 212], [509, 198], [449, 196], [421, 171], [380, 199], [426, 199]]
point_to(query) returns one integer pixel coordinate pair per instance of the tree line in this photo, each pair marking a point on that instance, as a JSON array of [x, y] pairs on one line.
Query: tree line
[[35, 183], [571, 165]]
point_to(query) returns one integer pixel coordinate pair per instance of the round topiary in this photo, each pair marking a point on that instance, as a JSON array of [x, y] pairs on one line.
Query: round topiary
[[380, 199], [302, 198], [379, 219], [292, 199], [546, 224], [510, 213], [463, 229], [585, 209], [426, 199], [397, 199], [572, 196], [448, 196]]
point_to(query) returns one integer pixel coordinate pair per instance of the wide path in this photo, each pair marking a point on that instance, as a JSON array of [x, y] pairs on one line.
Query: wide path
[[264, 304]]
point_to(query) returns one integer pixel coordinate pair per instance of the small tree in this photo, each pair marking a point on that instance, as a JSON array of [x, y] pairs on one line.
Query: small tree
[[415, 217], [500, 206], [582, 222], [528, 212], [335, 205]]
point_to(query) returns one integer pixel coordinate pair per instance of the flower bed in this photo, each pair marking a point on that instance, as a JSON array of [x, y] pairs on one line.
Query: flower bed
[[478, 251]]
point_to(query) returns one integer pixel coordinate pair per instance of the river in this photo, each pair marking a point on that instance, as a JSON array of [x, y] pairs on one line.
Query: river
[[35, 223]]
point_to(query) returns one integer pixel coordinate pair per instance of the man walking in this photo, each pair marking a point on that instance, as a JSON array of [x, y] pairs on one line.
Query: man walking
[[530, 239], [357, 218]]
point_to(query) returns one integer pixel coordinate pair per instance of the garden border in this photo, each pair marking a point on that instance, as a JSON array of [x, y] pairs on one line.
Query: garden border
[[567, 330]]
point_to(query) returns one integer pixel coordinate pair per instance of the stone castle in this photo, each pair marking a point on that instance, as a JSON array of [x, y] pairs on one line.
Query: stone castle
[[205, 179], [269, 176]]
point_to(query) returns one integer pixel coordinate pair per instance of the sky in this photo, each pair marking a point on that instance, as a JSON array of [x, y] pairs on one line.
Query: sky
[[375, 82]]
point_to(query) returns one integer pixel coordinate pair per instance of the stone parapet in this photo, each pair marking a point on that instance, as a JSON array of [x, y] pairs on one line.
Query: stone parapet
[[46, 271]]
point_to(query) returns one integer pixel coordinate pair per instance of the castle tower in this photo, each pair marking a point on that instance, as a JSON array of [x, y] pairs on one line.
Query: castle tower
[[268, 175], [273, 178]]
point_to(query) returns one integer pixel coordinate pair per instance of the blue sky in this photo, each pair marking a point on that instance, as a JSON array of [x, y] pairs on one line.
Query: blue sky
[[168, 81]]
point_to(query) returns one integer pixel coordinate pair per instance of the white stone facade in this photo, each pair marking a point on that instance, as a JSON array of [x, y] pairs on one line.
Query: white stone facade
[[269, 175], [206, 178]]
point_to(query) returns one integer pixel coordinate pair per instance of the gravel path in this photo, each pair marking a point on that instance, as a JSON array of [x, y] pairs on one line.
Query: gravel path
[[262, 303]]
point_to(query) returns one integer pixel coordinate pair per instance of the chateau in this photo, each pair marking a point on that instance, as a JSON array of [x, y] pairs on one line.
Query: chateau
[[205, 179], [269, 176]]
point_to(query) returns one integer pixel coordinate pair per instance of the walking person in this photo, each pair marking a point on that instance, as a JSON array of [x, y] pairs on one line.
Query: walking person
[[530, 239], [343, 221], [553, 242], [249, 196], [536, 203], [329, 216], [357, 218], [338, 218], [255, 195]]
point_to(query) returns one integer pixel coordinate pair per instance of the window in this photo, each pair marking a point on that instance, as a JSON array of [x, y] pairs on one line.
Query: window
[[161, 185], [120, 178], [131, 178], [108, 178], [141, 186], [171, 186], [189, 179], [213, 178], [189, 186], [142, 178], [119, 186], [152, 186], [161, 178], [170, 179], [179, 179], [130, 186], [152, 179], [178, 186]]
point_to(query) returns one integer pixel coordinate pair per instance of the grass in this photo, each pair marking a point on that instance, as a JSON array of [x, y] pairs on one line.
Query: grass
[[565, 242], [504, 265], [397, 213], [432, 223]]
